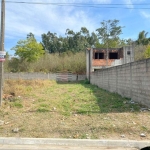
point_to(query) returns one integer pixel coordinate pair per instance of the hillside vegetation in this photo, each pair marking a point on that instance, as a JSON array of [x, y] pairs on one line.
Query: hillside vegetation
[[73, 62]]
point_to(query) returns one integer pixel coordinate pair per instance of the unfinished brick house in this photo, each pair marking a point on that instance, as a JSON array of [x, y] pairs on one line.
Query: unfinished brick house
[[99, 59], [96, 58]]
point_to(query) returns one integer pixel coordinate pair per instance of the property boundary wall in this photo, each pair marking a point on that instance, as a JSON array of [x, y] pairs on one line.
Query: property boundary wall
[[131, 80], [44, 76]]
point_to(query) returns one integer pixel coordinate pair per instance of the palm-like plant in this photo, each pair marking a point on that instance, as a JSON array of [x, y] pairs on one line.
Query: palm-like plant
[[142, 38]]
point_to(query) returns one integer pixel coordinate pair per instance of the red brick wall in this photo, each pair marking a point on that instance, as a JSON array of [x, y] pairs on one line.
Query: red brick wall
[[101, 62]]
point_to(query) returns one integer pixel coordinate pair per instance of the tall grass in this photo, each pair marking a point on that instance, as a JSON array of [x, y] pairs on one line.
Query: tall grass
[[75, 63]]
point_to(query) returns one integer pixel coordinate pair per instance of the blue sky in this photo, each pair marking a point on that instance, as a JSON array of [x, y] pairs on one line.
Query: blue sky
[[38, 19]]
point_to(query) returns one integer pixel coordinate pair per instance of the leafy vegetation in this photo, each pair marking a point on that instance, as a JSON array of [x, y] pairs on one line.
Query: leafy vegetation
[[109, 33], [28, 50], [142, 49], [71, 62], [55, 53], [142, 38], [139, 51], [147, 52], [142, 52]]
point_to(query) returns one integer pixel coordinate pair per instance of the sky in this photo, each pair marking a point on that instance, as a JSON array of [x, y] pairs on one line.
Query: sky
[[22, 18]]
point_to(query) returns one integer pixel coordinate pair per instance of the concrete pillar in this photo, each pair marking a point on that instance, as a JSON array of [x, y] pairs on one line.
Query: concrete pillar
[[131, 80], [89, 57], [127, 58], [87, 63]]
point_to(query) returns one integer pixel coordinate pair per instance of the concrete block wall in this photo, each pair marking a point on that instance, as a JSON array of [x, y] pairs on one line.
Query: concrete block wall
[[36, 75], [130, 80]]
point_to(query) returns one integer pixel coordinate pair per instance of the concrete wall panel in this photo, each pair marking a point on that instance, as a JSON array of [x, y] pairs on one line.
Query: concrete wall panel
[[129, 80]]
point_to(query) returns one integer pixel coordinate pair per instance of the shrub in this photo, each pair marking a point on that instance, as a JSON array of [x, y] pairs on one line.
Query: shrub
[[72, 62], [147, 52]]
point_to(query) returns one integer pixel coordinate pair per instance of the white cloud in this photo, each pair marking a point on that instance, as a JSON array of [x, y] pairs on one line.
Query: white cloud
[[82, 1], [22, 19], [130, 3], [145, 14], [102, 1], [38, 19]]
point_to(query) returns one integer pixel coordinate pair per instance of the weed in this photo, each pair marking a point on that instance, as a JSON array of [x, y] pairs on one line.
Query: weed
[[85, 81], [144, 128], [41, 100], [41, 110], [44, 105], [83, 136], [66, 113], [29, 88], [17, 105]]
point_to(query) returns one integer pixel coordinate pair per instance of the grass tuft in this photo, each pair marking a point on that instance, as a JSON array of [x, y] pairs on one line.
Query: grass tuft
[[17, 105], [42, 110]]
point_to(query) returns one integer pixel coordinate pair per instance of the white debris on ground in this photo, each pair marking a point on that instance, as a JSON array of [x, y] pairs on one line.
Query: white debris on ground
[[1, 122], [15, 130], [133, 102], [142, 135]]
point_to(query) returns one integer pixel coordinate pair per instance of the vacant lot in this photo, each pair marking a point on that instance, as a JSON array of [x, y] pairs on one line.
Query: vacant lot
[[69, 110]]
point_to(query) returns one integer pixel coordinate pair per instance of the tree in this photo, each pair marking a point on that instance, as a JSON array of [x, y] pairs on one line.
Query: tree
[[142, 38], [109, 31], [50, 42], [92, 39], [29, 50], [74, 41], [7, 56], [30, 35], [84, 31]]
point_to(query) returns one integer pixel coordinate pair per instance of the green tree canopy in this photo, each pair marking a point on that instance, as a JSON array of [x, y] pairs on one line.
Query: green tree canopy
[[74, 41], [109, 32], [142, 38], [29, 49]]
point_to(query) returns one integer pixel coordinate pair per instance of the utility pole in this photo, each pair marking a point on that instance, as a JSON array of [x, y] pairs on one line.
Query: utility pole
[[2, 47], [107, 46]]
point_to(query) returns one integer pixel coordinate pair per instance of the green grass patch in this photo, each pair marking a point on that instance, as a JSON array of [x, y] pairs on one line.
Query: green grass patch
[[42, 110], [73, 110], [41, 100], [17, 105], [44, 105]]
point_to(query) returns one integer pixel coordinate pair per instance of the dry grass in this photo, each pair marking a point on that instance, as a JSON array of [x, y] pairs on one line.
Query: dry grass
[[43, 108], [75, 63]]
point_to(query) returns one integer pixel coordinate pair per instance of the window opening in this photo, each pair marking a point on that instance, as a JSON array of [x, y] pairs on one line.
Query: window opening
[[99, 55], [146, 148], [113, 55], [96, 55], [128, 52]]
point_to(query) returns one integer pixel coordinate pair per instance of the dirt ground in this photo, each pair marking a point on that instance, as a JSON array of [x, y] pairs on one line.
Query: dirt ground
[[52, 110]]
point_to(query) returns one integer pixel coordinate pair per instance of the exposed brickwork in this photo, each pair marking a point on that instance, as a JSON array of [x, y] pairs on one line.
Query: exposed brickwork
[[102, 62]]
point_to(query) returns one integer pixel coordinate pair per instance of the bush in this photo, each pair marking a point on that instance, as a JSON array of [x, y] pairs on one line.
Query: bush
[[147, 52], [72, 62], [140, 52]]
